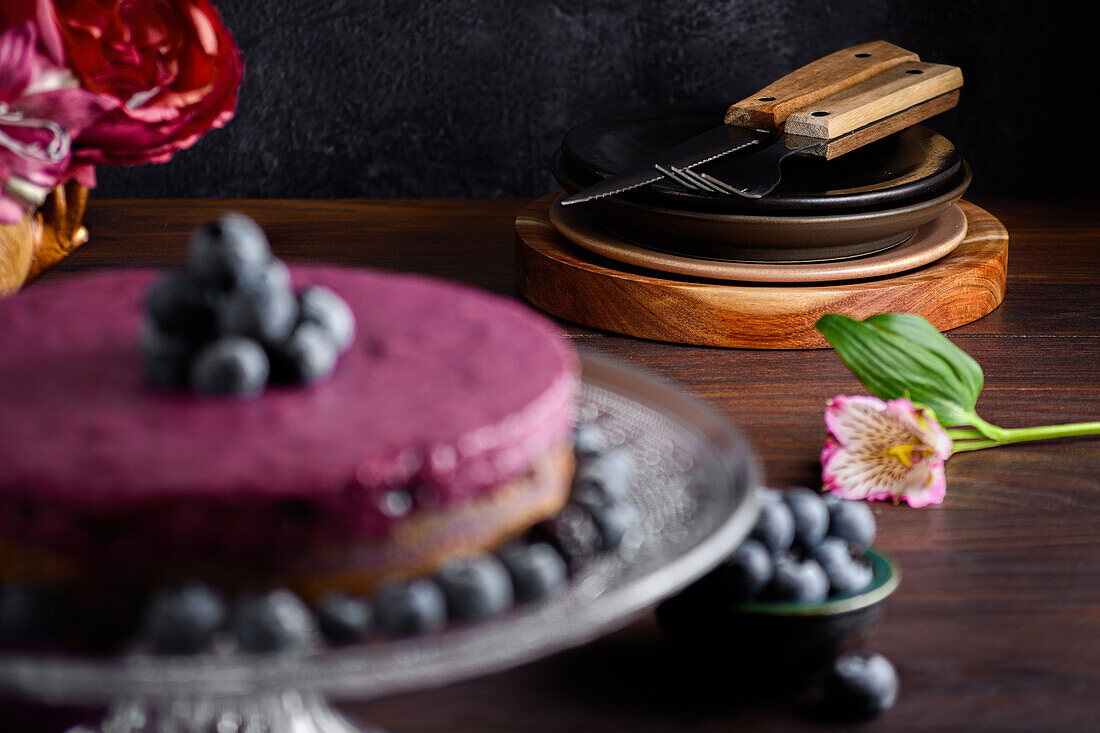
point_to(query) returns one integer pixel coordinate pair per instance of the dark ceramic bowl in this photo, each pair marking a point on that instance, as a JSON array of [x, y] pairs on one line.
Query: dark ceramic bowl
[[783, 636]]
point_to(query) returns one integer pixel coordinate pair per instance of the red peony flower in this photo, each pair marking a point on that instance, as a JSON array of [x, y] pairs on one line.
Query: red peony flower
[[42, 109], [172, 65]]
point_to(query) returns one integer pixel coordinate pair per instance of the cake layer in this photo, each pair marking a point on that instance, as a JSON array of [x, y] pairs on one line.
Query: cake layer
[[447, 392], [417, 546]]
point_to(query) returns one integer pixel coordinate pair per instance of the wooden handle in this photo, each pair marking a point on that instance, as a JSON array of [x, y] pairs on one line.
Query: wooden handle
[[883, 95], [770, 107], [865, 135]]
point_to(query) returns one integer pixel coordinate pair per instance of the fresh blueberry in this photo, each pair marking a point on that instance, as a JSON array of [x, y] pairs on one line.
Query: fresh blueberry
[[603, 476], [272, 621], [845, 564], [166, 357], [589, 441], [574, 533], [861, 684], [410, 609], [305, 357], [342, 618], [536, 568], [803, 581], [23, 613], [851, 520], [264, 309], [811, 516], [232, 365], [273, 278], [775, 526], [321, 306], [614, 519], [179, 304], [476, 588], [744, 574], [766, 494], [228, 251], [183, 620]]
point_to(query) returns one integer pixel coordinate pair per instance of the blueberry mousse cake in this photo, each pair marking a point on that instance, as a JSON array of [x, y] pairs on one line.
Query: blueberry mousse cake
[[240, 426]]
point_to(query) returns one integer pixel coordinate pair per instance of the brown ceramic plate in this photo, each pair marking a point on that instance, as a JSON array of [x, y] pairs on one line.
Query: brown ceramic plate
[[770, 238], [931, 241]]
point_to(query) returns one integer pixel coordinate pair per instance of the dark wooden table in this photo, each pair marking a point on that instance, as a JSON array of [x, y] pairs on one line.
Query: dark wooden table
[[996, 625]]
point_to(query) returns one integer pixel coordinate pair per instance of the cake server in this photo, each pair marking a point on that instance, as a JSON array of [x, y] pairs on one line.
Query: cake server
[[841, 101]]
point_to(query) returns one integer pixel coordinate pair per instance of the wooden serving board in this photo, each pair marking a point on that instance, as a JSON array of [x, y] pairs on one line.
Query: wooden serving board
[[572, 283]]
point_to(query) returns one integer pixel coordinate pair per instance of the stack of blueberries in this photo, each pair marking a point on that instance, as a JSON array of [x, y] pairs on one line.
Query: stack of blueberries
[[192, 618], [804, 547], [230, 323]]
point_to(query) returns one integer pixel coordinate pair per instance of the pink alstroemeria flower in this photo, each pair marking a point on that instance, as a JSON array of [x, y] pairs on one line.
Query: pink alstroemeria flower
[[884, 450], [42, 108]]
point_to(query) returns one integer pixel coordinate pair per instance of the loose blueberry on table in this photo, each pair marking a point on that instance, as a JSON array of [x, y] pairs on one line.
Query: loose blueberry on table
[[861, 685]]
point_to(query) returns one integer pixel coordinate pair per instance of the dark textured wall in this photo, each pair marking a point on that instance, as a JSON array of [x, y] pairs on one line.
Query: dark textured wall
[[458, 98]]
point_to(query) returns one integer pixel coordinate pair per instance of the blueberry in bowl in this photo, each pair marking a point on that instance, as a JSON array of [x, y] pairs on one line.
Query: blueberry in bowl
[[789, 610]]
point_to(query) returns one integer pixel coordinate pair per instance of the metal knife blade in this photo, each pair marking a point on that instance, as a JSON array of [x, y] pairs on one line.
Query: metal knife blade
[[705, 148], [756, 121]]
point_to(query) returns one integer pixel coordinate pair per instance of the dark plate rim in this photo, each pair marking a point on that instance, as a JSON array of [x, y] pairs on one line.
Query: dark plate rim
[[958, 185]]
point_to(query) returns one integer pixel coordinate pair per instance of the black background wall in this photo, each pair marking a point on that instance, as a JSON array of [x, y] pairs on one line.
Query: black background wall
[[469, 98]]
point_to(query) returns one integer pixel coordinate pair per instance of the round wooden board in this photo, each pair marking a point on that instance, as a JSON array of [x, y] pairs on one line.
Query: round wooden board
[[572, 283]]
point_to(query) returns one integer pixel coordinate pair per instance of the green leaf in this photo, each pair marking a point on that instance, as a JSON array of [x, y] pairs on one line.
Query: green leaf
[[895, 357], [922, 333]]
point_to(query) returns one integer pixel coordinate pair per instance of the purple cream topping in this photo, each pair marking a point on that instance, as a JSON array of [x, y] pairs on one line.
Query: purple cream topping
[[446, 393]]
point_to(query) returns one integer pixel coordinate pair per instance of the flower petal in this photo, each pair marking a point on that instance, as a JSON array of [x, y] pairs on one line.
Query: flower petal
[[852, 475], [924, 486], [19, 60], [884, 450], [923, 425], [865, 420]]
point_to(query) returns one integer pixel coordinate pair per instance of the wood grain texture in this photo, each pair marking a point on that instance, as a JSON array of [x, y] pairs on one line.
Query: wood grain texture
[[878, 130], [996, 625], [872, 100], [572, 283], [769, 108]]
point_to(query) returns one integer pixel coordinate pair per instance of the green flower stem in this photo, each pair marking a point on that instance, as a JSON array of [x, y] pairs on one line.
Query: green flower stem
[[1019, 435]]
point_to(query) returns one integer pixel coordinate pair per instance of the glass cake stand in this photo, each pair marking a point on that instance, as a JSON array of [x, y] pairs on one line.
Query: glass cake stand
[[692, 490]]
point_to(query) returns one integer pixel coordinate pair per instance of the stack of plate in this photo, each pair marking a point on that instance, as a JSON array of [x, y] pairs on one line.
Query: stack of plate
[[884, 202], [858, 223]]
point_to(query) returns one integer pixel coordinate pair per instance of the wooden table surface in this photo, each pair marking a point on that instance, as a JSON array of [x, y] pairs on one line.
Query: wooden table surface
[[996, 625]]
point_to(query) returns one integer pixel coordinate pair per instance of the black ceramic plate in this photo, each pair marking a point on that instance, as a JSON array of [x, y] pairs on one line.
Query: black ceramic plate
[[902, 166]]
